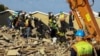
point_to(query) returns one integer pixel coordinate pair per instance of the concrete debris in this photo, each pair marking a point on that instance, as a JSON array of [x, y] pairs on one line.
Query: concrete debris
[[35, 42], [13, 53], [70, 33], [12, 44], [47, 40], [42, 50]]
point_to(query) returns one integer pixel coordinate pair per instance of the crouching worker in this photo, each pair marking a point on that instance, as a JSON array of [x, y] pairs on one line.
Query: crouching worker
[[81, 47]]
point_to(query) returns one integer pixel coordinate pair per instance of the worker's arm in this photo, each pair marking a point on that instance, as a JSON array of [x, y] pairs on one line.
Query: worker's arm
[[73, 52], [95, 52]]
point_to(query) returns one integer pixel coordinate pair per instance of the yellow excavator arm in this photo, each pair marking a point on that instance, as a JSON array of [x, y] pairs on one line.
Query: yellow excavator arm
[[83, 14]]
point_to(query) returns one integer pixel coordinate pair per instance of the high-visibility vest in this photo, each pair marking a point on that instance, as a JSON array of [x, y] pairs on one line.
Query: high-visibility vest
[[62, 17], [10, 17], [50, 22], [54, 26], [27, 22], [83, 48], [61, 33]]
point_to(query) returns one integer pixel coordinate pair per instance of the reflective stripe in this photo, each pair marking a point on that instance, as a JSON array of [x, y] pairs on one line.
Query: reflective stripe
[[83, 48]]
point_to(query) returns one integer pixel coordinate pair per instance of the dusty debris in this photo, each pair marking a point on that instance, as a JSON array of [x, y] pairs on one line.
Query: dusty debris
[[35, 42], [13, 52], [14, 45], [69, 33], [42, 50], [47, 40]]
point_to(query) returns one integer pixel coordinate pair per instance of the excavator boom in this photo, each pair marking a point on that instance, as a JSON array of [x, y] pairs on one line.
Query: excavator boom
[[84, 15]]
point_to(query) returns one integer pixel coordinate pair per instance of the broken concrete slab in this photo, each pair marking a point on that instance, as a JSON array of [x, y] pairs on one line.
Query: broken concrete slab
[[13, 52]]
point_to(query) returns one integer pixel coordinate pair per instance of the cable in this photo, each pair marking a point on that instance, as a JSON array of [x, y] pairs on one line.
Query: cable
[[92, 3]]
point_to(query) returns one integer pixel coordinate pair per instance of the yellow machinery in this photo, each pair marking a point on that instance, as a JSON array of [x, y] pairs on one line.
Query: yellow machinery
[[83, 12]]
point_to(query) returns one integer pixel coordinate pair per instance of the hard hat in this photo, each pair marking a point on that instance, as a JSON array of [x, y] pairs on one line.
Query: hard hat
[[80, 33], [61, 12]]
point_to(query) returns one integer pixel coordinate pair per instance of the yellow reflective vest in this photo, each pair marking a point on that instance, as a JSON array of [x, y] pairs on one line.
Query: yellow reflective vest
[[62, 17], [83, 48], [27, 22], [61, 33]]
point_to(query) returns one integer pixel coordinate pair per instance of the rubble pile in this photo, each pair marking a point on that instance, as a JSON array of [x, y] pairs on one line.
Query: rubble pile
[[12, 44]]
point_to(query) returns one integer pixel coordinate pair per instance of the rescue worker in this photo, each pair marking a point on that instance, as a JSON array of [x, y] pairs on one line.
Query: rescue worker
[[63, 23], [71, 18], [11, 19], [54, 29], [40, 29], [50, 15], [28, 27], [51, 20], [62, 16], [16, 23], [36, 22], [81, 47], [61, 36]]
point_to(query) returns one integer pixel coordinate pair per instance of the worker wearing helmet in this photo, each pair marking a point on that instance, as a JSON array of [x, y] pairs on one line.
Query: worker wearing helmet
[[63, 23], [53, 29], [81, 47]]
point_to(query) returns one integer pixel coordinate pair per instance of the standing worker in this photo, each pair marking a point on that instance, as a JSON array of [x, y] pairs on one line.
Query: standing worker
[[81, 47], [28, 27], [71, 18], [62, 18], [50, 15], [54, 29], [40, 29]]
